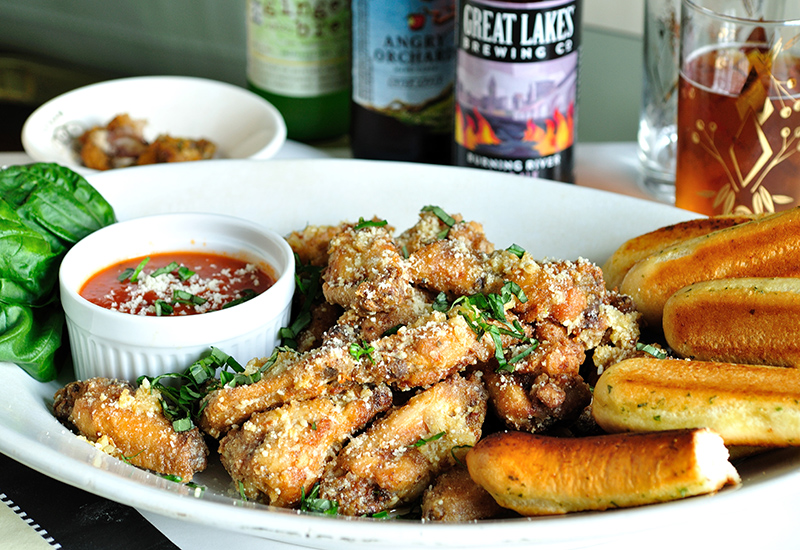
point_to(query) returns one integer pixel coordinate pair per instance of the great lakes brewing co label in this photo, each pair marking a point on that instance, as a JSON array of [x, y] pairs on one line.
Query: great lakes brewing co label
[[516, 86]]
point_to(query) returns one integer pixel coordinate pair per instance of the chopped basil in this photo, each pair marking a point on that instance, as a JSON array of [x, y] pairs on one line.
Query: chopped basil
[[362, 223], [516, 250], [443, 216], [138, 270], [172, 477], [651, 350], [247, 294], [126, 274], [479, 309], [360, 350], [163, 308], [393, 330], [133, 274], [440, 303], [312, 502], [184, 273], [422, 441], [169, 268], [183, 425], [182, 297]]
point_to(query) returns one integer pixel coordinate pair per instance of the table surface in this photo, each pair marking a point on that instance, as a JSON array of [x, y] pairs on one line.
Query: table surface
[[27, 522]]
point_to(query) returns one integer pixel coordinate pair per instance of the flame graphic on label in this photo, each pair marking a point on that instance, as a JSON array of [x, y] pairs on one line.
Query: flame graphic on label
[[474, 130], [558, 134]]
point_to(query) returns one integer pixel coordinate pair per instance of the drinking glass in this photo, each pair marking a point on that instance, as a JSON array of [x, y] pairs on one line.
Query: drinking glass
[[739, 106], [657, 135]]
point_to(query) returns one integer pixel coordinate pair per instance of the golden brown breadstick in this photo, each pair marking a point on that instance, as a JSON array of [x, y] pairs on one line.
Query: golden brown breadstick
[[639, 248], [541, 475], [749, 320], [764, 247], [753, 405]]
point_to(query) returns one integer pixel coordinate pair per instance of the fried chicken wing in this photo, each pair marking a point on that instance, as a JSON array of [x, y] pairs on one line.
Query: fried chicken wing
[[416, 356], [453, 497], [536, 402], [133, 425], [396, 458], [279, 455], [312, 242], [167, 148], [326, 370]]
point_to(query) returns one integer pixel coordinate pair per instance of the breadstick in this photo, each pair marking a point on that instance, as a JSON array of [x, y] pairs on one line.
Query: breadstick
[[754, 405], [638, 248], [749, 320], [764, 247], [541, 475]]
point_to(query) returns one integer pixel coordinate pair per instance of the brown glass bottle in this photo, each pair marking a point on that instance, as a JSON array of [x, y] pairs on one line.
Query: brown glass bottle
[[403, 69], [516, 86]]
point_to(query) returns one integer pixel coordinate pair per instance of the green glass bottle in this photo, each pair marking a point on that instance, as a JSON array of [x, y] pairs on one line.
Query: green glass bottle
[[298, 59]]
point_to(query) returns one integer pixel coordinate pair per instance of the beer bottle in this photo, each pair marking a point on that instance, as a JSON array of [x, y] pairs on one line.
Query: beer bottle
[[298, 59], [403, 69], [516, 86]]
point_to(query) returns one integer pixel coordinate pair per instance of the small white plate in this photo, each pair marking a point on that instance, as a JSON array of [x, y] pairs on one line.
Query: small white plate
[[241, 123], [547, 219]]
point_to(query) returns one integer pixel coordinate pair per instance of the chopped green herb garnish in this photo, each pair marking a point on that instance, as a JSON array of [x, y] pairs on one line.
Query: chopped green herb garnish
[[241, 491], [458, 448], [182, 297], [440, 303], [169, 268], [362, 223], [516, 250], [163, 308], [308, 292], [181, 399], [651, 350], [184, 273], [443, 216], [312, 502], [133, 274], [128, 458], [393, 330], [247, 294], [422, 441], [479, 309], [172, 477], [360, 350], [126, 274], [183, 425]]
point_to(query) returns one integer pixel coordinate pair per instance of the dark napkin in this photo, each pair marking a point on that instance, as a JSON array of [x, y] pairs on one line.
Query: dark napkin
[[74, 518]]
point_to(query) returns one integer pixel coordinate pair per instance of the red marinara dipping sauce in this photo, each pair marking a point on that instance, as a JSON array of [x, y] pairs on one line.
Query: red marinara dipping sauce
[[177, 283]]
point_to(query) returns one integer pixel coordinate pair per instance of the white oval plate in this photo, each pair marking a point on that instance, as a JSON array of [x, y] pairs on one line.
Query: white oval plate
[[548, 219]]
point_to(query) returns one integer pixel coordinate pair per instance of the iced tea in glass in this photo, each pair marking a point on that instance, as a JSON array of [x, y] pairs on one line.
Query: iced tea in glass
[[738, 109]]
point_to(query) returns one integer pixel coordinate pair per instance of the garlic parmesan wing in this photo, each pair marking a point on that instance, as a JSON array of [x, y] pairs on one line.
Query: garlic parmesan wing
[[396, 458], [279, 455], [128, 423]]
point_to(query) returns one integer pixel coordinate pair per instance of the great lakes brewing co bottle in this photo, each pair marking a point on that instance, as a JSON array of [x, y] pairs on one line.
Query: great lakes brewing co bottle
[[403, 73], [516, 86], [298, 58]]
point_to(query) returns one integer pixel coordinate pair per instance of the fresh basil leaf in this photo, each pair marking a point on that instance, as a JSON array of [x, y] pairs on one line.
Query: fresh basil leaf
[[30, 337]]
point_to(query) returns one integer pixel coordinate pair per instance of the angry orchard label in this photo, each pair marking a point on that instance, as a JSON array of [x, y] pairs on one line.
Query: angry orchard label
[[404, 60], [516, 86]]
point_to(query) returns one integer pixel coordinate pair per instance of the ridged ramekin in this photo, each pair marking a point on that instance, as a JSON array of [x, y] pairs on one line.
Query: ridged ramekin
[[119, 345]]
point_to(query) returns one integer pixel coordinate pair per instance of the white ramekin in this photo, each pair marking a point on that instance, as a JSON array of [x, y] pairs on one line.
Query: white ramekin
[[125, 346]]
